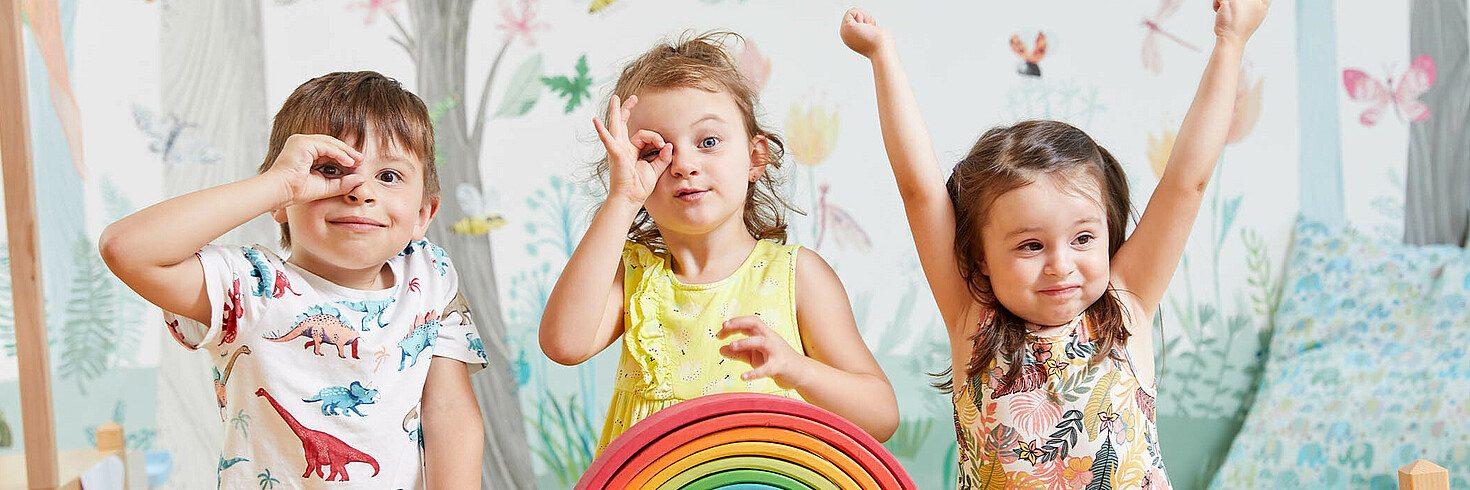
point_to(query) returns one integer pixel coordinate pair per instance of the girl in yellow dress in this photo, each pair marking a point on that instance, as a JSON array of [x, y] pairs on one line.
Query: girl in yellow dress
[[685, 260]]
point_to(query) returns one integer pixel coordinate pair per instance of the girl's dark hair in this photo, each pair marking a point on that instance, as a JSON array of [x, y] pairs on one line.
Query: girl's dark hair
[[702, 62], [1004, 159]]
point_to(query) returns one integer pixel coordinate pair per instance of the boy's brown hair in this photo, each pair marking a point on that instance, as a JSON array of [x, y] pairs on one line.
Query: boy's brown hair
[[346, 105], [702, 62]]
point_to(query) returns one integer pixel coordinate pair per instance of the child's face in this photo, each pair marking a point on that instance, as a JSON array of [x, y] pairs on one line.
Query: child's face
[[1046, 250], [704, 188], [367, 226]]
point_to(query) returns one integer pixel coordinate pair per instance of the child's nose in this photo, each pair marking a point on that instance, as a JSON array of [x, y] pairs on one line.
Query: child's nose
[[364, 192], [1059, 264], [685, 164]]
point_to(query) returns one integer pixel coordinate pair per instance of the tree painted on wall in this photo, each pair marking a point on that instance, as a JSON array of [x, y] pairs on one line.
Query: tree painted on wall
[[435, 39]]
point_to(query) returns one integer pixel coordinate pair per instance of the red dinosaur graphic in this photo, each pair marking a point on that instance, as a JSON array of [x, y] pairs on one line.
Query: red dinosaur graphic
[[282, 285], [233, 312], [320, 448], [322, 328]]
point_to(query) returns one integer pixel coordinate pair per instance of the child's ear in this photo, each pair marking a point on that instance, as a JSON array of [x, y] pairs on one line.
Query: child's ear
[[426, 214], [279, 215], [760, 154]]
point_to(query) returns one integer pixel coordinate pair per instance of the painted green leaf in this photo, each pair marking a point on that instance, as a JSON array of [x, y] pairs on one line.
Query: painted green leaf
[[522, 92], [574, 88]]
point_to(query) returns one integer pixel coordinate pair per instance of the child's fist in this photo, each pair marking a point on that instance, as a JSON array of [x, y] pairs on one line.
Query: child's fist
[[314, 166], [860, 32], [1238, 19]]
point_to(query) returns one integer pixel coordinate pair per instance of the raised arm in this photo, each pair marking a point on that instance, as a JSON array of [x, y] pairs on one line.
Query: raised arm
[[152, 250], [906, 139], [584, 313], [1146, 262]]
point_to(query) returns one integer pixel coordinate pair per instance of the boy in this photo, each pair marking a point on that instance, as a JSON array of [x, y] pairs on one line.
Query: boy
[[336, 353]]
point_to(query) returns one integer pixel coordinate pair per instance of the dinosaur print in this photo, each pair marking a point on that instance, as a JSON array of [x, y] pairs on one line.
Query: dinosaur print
[[437, 255], [346, 398], [221, 379], [477, 346], [282, 285], [233, 311], [323, 325], [320, 448], [425, 332], [261, 272], [225, 464], [371, 309], [412, 426]]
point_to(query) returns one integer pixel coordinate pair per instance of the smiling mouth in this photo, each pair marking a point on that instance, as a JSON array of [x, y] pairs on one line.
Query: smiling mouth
[[1061, 291], [359, 224]]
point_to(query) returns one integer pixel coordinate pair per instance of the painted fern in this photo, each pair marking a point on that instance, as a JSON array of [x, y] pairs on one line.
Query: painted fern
[[87, 337]]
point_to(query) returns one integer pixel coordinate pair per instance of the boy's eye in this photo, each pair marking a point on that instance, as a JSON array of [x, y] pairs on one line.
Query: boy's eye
[[1031, 246], [329, 170], [390, 176], [709, 142]]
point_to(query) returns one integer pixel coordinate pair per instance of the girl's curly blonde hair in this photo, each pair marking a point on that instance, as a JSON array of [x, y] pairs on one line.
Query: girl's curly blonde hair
[[702, 62]]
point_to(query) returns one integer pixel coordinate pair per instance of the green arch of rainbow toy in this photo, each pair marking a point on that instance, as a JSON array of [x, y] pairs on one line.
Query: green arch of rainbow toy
[[745, 441]]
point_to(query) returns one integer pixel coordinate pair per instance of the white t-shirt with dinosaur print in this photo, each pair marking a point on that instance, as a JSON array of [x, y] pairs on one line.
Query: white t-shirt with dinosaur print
[[318, 383]]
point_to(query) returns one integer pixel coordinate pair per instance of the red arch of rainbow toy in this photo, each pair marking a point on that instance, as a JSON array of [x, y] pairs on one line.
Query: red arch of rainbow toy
[[745, 441]]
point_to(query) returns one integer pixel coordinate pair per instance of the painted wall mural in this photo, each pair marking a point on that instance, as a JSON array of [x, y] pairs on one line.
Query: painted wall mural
[[167, 96]]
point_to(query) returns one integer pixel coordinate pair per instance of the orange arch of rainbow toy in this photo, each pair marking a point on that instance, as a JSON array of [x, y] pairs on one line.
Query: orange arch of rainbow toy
[[745, 440]]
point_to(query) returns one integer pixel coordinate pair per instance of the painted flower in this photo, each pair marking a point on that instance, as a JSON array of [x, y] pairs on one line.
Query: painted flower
[[810, 133], [1159, 147], [1247, 106], [522, 24], [754, 66]]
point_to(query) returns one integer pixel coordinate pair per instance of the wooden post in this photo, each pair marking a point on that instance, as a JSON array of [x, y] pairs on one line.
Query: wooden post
[[25, 261], [1423, 475]]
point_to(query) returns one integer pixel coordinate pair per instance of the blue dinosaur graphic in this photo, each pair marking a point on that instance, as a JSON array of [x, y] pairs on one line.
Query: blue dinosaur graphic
[[437, 255], [262, 273], [423, 336], [344, 398], [370, 308], [476, 345]]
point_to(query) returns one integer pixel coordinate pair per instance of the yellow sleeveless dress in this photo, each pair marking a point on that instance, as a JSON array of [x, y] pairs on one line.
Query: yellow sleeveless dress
[[670, 353]]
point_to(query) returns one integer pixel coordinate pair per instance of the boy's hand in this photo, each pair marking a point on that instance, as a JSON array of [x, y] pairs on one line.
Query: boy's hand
[[861, 33], [1236, 20], [634, 164], [315, 166], [764, 350]]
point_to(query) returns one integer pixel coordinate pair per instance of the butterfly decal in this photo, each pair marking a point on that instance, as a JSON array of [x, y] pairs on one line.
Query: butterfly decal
[[1403, 96], [1029, 57]]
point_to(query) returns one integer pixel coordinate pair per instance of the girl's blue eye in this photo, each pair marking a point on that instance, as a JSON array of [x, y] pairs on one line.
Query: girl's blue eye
[[709, 142]]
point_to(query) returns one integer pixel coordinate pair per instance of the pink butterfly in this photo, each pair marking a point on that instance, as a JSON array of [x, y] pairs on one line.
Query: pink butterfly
[[1405, 97]]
